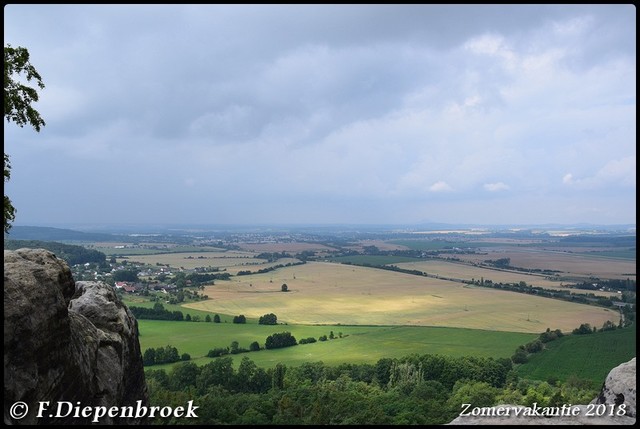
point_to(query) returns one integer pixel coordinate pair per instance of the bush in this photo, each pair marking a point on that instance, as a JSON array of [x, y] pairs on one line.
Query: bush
[[160, 355], [534, 346], [239, 319], [283, 339], [218, 351], [268, 319], [520, 356], [584, 329]]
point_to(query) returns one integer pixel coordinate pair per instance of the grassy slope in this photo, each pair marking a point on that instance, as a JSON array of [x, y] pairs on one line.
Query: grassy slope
[[360, 344], [586, 356]]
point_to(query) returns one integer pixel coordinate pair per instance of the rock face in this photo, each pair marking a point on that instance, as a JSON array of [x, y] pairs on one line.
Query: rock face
[[620, 388], [66, 342], [618, 394]]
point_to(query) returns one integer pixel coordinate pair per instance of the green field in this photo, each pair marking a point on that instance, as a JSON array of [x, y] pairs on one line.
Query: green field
[[586, 356], [359, 344], [136, 301]]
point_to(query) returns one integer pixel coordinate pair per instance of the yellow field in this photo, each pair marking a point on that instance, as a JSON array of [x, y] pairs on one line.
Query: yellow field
[[326, 293], [242, 260], [467, 272], [569, 263]]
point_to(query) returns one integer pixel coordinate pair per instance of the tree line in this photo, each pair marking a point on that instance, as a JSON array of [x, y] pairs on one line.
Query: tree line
[[71, 253], [416, 389], [268, 269], [158, 312], [160, 355]]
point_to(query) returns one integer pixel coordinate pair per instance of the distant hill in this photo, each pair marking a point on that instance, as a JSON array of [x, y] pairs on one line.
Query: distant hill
[[69, 252], [58, 234]]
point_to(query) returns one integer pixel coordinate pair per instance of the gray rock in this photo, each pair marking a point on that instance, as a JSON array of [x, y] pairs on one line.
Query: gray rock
[[66, 341], [620, 388]]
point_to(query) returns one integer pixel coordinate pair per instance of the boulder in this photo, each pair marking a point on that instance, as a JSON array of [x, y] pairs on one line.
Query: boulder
[[66, 342]]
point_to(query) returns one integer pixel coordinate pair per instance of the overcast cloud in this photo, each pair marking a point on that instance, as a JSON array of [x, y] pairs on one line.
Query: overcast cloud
[[378, 114]]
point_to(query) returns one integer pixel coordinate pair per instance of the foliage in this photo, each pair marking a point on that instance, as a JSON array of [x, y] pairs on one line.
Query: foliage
[[427, 390], [584, 329], [160, 355], [69, 252], [550, 335], [18, 101], [158, 312], [239, 319], [280, 340], [268, 319], [218, 351], [586, 356], [268, 269], [520, 356], [126, 276]]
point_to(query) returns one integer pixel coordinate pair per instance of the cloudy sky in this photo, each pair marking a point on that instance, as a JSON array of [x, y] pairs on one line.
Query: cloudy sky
[[323, 114]]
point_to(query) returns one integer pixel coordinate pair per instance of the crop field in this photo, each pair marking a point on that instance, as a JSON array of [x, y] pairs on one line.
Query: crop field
[[468, 272], [358, 344], [373, 259], [428, 245], [380, 244], [571, 264], [586, 356], [294, 247], [119, 248], [328, 293], [192, 260]]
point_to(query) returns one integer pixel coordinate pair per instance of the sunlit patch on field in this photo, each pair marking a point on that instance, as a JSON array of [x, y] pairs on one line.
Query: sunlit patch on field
[[327, 293]]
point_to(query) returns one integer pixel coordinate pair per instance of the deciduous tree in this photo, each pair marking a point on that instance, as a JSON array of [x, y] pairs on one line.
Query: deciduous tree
[[18, 101]]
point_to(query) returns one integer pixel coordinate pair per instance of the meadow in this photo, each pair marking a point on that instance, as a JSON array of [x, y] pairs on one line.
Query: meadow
[[585, 356], [329, 293], [351, 344]]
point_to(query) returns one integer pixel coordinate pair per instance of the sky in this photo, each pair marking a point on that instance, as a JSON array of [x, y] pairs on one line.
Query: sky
[[327, 114]]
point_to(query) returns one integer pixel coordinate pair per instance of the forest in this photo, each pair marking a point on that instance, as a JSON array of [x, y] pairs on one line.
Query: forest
[[417, 389]]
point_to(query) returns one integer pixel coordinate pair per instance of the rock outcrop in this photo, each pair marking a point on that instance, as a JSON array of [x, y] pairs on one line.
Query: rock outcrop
[[620, 388], [615, 405], [66, 342]]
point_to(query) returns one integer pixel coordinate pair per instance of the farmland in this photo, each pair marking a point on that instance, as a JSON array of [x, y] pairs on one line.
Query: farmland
[[387, 293], [469, 272], [352, 344], [329, 293], [580, 265], [583, 356]]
